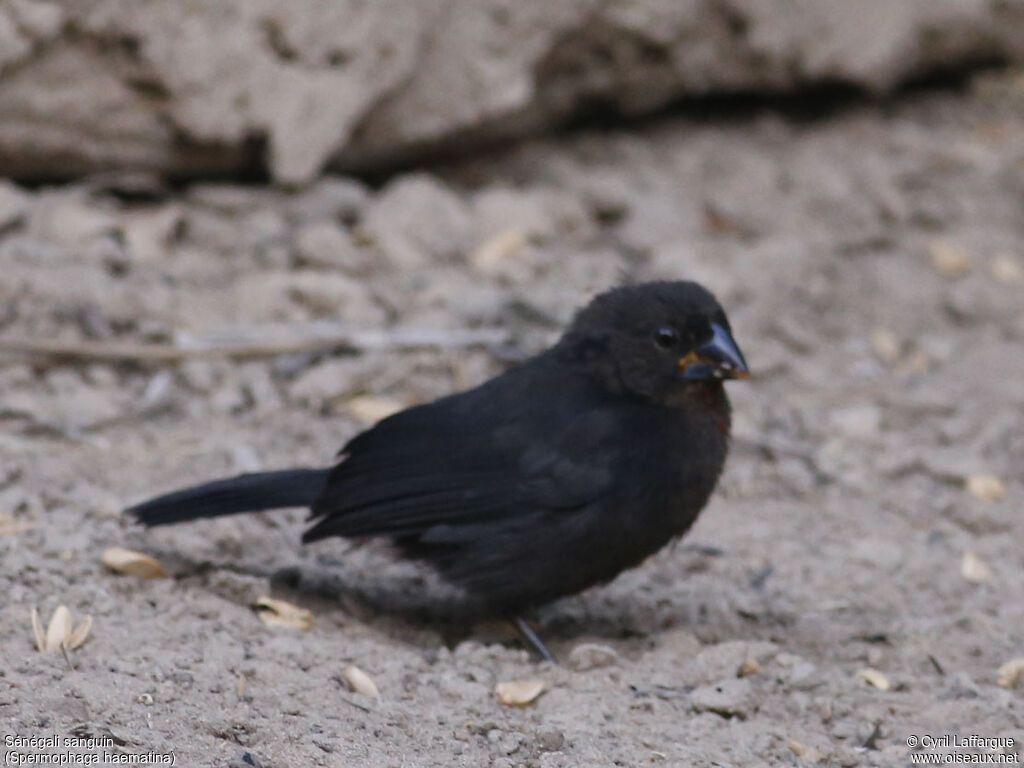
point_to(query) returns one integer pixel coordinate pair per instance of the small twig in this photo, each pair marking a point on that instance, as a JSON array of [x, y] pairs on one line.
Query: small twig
[[255, 343], [661, 691], [357, 705]]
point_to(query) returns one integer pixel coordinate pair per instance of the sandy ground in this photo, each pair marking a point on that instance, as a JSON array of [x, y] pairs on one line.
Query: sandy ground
[[872, 264]]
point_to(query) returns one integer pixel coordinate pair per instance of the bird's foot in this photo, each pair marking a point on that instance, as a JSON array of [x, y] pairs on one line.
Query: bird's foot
[[533, 640]]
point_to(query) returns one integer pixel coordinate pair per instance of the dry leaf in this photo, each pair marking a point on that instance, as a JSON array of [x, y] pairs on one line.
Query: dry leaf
[[874, 678], [80, 634], [504, 245], [369, 409], [60, 635], [809, 754], [518, 693], [133, 563], [58, 632], [797, 748], [950, 260], [1006, 269], [37, 631], [986, 487], [360, 682], [278, 613], [887, 345], [1011, 673], [974, 569]]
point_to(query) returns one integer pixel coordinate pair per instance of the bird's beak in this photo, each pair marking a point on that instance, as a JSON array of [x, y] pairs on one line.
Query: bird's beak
[[717, 358]]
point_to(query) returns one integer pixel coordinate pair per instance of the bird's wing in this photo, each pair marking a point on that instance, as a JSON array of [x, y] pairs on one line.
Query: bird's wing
[[456, 465]]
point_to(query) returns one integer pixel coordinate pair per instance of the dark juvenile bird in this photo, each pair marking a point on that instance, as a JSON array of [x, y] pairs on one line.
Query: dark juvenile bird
[[552, 477]]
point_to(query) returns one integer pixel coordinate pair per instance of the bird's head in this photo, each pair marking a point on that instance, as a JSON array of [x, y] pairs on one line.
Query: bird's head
[[660, 341]]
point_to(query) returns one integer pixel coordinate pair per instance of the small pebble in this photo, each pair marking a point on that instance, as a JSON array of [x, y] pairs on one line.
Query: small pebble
[[592, 656]]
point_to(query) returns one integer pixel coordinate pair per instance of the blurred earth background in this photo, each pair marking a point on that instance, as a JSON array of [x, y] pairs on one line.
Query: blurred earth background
[[202, 200]]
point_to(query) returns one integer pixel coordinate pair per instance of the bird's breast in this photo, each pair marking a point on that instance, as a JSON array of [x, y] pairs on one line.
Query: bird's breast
[[664, 482]]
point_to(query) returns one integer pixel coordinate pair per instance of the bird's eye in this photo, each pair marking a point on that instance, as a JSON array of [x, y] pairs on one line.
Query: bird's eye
[[666, 337]]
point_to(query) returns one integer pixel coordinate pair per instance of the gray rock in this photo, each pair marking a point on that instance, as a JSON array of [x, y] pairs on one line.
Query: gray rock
[[68, 220], [796, 672], [185, 88], [326, 245], [13, 204], [551, 740], [732, 697], [324, 382], [332, 198], [592, 656], [417, 219], [961, 686], [245, 759]]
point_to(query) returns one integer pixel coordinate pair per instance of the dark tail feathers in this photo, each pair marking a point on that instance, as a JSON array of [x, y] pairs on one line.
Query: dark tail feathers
[[245, 493]]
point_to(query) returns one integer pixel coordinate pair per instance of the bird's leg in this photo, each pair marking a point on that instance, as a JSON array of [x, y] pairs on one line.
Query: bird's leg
[[532, 639]]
